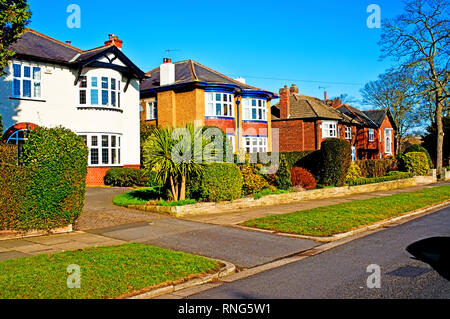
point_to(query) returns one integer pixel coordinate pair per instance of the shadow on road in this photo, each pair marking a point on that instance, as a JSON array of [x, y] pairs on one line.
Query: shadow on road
[[434, 251]]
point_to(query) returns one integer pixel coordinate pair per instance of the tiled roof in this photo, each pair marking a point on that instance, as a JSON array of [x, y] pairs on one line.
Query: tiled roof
[[377, 116], [189, 71], [304, 107], [34, 44], [357, 115]]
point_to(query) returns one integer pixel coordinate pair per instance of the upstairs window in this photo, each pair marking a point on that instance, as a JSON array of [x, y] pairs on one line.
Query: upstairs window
[[254, 109], [371, 135], [26, 81], [99, 91], [219, 104], [152, 111], [348, 133], [329, 129]]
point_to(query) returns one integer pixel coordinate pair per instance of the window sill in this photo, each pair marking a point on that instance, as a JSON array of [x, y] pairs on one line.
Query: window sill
[[100, 108], [254, 121], [104, 165], [218, 117], [26, 99]]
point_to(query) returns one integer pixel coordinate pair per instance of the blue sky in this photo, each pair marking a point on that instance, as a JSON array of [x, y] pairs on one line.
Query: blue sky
[[270, 43]]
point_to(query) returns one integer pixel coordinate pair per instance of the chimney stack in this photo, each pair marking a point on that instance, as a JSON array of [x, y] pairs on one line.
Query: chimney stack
[[325, 96], [285, 103], [167, 72], [114, 40]]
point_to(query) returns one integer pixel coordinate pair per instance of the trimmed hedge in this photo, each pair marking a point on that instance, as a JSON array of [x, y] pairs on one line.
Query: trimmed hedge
[[377, 168], [416, 163], [127, 177], [418, 148], [217, 182], [48, 190], [372, 180], [336, 156]]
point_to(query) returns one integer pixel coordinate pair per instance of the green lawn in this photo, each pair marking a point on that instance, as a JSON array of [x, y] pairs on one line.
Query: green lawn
[[330, 220], [137, 197], [106, 272]]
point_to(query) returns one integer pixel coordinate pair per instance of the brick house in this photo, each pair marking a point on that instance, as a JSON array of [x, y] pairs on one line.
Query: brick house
[[183, 92], [304, 122], [94, 93]]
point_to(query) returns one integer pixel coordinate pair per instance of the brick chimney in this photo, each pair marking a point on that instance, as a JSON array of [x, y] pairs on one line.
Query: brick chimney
[[293, 89], [113, 39], [336, 103], [285, 103]]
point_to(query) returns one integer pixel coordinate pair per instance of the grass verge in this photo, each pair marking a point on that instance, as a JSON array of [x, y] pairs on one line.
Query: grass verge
[[106, 272], [330, 220], [137, 197]]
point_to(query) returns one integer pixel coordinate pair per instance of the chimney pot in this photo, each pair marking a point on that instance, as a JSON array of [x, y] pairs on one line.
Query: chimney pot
[[114, 40], [69, 42], [293, 89]]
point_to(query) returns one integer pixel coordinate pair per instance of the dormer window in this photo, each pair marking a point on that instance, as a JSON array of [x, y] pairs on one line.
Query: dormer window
[[99, 91], [26, 81]]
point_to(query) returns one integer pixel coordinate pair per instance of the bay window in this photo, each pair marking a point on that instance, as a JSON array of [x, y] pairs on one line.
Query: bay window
[[99, 91], [26, 81], [255, 144], [329, 129], [254, 109], [219, 104], [104, 149]]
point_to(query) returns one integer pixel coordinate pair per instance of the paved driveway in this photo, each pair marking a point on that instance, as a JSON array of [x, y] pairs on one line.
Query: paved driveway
[[99, 211]]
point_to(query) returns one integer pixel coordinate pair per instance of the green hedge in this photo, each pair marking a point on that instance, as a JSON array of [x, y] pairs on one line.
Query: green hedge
[[283, 179], [371, 180], [418, 148], [335, 161], [48, 190], [217, 182], [377, 168], [127, 177], [416, 163]]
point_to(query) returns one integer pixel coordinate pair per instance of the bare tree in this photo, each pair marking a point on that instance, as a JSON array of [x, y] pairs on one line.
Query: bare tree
[[394, 91], [419, 41]]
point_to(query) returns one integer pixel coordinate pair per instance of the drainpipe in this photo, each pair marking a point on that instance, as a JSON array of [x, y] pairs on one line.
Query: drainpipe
[[238, 103]]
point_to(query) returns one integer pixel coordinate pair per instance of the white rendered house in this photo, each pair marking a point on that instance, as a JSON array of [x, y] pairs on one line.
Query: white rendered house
[[94, 93]]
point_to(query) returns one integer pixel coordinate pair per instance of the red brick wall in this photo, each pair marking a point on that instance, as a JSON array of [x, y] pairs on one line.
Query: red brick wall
[[296, 135], [96, 175], [224, 124], [386, 124]]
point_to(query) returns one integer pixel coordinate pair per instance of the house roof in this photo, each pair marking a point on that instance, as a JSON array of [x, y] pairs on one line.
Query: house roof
[[377, 116], [191, 72], [357, 115], [303, 107], [35, 45]]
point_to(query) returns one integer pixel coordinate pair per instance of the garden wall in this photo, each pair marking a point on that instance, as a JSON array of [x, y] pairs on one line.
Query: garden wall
[[271, 200]]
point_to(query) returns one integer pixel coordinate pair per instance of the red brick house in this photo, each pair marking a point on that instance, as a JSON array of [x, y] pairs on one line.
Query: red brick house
[[304, 122]]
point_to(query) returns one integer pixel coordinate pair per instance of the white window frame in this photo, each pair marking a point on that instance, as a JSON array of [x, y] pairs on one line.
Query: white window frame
[[348, 133], [98, 147], [232, 140], [329, 129], [152, 111], [388, 136], [371, 134], [255, 144], [35, 80], [112, 92], [216, 100], [254, 109]]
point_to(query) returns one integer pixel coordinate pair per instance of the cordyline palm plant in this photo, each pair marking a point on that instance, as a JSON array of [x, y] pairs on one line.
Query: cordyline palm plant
[[175, 154]]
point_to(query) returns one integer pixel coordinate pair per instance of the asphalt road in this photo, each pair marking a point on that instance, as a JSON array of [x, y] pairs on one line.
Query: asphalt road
[[342, 271]]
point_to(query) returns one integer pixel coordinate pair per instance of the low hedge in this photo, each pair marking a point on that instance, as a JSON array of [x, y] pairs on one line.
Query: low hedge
[[372, 180], [217, 182], [377, 168], [127, 177]]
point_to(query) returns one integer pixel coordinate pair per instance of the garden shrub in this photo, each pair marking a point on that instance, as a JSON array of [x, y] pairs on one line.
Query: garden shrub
[[8, 153], [310, 162], [253, 182], [336, 159], [416, 163], [283, 180], [301, 177], [354, 172], [218, 182], [126, 177], [56, 163], [418, 148], [377, 168]]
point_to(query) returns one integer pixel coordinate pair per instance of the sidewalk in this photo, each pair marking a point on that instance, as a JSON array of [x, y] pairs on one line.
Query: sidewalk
[[234, 218]]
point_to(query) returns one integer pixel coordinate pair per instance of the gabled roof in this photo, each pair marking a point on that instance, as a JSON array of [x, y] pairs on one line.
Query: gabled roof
[[379, 115], [357, 115], [190, 72], [307, 107], [38, 46]]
